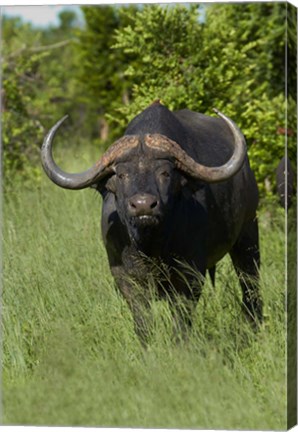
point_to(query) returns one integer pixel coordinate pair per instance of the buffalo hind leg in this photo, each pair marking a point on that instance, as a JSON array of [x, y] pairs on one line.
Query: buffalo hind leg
[[245, 256]]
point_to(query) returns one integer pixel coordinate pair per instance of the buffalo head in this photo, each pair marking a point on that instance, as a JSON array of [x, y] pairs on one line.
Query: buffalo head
[[145, 185]]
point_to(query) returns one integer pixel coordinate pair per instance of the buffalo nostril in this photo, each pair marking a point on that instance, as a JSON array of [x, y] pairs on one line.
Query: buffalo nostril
[[154, 204]]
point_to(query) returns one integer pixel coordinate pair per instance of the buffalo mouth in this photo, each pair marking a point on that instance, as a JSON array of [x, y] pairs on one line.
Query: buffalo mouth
[[144, 221], [144, 231]]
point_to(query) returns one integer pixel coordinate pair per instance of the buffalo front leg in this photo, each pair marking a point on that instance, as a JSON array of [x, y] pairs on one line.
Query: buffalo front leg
[[245, 255], [183, 301], [182, 310], [138, 300]]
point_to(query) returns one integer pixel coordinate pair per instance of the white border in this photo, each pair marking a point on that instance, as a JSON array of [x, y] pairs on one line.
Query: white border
[[29, 3], [94, 2]]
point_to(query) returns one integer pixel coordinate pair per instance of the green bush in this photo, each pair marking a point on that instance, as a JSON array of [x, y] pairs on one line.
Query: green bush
[[101, 69], [21, 131], [36, 91], [233, 59]]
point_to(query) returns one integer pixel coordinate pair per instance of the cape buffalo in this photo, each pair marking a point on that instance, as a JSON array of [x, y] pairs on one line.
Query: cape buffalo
[[177, 189]]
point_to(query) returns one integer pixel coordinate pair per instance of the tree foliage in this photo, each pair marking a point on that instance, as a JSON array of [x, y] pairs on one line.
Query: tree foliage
[[57, 89], [101, 76], [20, 129], [233, 59], [228, 56], [36, 91]]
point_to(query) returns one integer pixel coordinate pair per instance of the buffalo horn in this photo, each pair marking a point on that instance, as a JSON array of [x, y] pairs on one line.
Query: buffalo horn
[[187, 164], [102, 168]]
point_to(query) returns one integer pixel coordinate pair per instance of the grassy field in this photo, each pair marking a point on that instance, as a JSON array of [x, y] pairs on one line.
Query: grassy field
[[70, 355]]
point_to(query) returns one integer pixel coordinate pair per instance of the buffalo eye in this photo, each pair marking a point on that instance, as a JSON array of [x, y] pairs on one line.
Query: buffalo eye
[[122, 176], [165, 174]]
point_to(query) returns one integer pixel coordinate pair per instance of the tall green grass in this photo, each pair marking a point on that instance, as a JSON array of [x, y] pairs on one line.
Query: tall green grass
[[70, 354]]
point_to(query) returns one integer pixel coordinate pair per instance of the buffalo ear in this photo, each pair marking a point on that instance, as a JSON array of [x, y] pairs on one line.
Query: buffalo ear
[[106, 185], [190, 184], [110, 184], [183, 181]]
